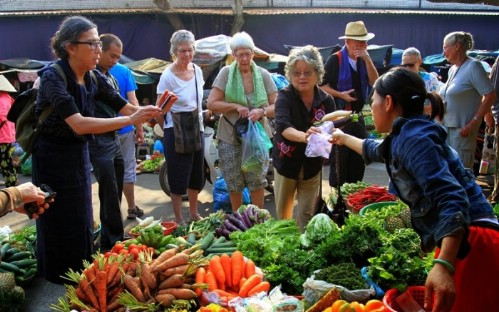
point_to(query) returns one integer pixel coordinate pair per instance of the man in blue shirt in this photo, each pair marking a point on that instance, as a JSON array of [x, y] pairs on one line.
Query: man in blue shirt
[[128, 137]]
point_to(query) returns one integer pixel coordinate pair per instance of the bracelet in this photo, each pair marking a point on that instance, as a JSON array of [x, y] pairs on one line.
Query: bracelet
[[446, 264], [475, 118]]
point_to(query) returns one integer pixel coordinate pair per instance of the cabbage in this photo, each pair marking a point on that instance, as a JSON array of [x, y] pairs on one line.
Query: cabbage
[[318, 229]]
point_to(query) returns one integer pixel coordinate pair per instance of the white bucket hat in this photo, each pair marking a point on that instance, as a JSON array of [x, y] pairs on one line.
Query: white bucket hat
[[5, 85], [357, 31]]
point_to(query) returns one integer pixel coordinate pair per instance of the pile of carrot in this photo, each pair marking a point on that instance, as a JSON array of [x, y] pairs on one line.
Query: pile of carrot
[[230, 277], [167, 278], [101, 283]]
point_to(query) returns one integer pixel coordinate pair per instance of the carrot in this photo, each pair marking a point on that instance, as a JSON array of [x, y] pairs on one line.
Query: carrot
[[211, 280], [81, 295], [113, 293], [134, 288], [176, 280], [241, 282], [218, 270], [175, 261], [100, 285], [165, 255], [227, 266], [249, 268], [180, 293], [113, 306], [147, 276], [89, 292], [165, 299], [223, 293], [113, 269], [262, 286], [90, 273], [251, 282], [200, 278], [116, 280], [176, 270], [237, 266]]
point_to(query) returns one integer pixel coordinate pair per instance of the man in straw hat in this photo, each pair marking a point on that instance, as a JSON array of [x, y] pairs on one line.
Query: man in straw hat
[[7, 133], [350, 74]]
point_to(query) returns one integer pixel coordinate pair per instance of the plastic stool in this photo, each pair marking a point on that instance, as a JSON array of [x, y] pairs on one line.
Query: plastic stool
[[142, 151]]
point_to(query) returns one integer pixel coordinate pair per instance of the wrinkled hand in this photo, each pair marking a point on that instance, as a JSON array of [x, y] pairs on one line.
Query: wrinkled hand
[[255, 114], [243, 111], [311, 131], [337, 137], [362, 53], [32, 193], [440, 286], [145, 113]]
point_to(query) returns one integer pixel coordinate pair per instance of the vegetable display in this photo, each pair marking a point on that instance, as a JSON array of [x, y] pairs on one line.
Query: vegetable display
[[243, 219], [371, 194]]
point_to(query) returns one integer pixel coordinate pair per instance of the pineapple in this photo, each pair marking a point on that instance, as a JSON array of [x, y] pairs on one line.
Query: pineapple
[[7, 281], [405, 215], [393, 222]]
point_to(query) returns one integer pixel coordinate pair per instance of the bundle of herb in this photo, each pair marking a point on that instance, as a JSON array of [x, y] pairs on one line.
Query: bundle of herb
[[343, 274]]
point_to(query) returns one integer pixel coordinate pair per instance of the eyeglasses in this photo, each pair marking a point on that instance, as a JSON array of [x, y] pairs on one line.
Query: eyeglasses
[[306, 74], [92, 44], [411, 65], [244, 55]]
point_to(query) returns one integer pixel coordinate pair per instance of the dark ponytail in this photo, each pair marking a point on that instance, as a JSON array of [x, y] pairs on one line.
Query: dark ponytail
[[437, 106]]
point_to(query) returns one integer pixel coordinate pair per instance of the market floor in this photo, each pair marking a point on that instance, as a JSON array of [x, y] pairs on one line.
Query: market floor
[[149, 196]]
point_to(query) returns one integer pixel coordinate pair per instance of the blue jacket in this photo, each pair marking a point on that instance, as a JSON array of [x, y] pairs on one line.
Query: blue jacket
[[428, 175]]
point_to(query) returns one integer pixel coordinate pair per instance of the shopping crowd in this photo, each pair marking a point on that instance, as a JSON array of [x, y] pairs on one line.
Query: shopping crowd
[[431, 128]]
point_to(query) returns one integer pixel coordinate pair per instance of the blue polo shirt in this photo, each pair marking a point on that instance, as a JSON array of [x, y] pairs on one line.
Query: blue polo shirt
[[126, 83]]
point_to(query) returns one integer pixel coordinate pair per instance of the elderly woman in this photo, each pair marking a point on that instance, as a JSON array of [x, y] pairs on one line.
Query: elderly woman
[[468, 95], [241, 90], [64, 233], [297, 107], [185, 168]]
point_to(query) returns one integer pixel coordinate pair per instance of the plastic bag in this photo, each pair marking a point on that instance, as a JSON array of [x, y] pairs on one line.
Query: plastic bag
[[26, 166], [221, 199], [255, 151], [488, 161], [318, 144], [313, 290]]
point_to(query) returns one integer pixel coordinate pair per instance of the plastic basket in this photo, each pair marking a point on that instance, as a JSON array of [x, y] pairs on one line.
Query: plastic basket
[[417, 292], [376, 206]]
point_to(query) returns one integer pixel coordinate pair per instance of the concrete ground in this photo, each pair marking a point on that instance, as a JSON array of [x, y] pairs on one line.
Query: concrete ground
[[149, 196]]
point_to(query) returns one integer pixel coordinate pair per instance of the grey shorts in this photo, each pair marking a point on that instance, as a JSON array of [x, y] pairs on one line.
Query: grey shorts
[[127, 141], [230, 166]]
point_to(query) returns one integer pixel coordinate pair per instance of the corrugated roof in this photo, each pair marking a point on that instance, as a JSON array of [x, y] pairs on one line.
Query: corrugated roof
[[247, 11]]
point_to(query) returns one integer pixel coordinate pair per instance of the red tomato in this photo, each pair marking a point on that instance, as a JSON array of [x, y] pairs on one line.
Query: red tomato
[[107, 254], [132, 246], [135, 252], [123, 252], [118, 247]]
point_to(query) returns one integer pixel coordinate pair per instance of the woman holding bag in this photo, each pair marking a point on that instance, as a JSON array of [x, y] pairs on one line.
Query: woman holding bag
[[183, 125], [241, 90], [298, 106]]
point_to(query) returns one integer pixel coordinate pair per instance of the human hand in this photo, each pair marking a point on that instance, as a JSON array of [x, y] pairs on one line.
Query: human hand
[[145, 113], [362, 53], [337, 137], [349, 95], [31, 193], [439, 286], [311, 131], [255, 114], [243, 111]]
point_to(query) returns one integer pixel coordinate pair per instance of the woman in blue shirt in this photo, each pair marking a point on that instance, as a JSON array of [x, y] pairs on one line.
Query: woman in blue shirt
[[448, 208]]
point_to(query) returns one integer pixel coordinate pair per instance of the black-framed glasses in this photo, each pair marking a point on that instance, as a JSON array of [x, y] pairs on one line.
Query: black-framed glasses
[[411, 65], [92, 44]]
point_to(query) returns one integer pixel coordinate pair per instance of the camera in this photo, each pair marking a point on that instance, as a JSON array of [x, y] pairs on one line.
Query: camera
[[32, 207]]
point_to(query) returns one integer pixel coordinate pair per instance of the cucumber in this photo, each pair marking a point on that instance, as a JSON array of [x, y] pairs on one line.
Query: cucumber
[[19, 256], [4, 248], [206, 241], [221, 250], [11, 268], [224, 244], [219, 240], [191, 238], [23, 263]]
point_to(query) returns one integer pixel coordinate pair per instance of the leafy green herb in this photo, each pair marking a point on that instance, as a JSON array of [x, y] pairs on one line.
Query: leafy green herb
[[343, 274]]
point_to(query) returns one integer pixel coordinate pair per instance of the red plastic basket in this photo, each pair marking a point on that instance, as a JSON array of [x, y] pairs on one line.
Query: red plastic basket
[[417, 292]]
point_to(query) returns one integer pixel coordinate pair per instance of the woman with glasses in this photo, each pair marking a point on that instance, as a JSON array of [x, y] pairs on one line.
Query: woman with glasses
[[297, 107], [185, 80], [241, 90], [60, 154], [468, 95], [448, 208]]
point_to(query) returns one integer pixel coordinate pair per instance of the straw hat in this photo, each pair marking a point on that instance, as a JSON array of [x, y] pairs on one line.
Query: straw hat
[[357, 31], [5, 85]]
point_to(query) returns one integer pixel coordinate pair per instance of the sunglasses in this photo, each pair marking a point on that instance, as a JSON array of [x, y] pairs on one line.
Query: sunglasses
[[411, 65]]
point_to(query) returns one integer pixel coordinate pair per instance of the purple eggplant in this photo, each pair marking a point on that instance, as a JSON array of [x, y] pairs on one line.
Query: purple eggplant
[[236, 219], [229, 226], [246, 219], [225, 232]]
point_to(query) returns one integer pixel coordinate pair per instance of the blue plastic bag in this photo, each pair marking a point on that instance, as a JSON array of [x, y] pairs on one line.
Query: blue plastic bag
[[221, 196]]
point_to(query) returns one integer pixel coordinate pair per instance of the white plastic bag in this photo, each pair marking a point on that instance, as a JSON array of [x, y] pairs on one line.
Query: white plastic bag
[[318, 143]]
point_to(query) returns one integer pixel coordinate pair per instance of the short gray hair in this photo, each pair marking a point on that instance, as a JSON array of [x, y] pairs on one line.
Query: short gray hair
[[181, 36], [310, 55], [242, 40], [411, 51]]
